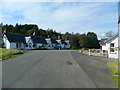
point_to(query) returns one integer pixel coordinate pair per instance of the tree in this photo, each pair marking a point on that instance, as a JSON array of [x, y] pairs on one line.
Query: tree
[[74, 41], [109, 34], [84, 41], [93, 40]]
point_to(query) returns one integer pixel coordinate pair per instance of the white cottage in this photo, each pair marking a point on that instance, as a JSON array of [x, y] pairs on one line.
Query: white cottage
[[52, 43], [62, 44], [110, 47], [22, 41], [13, 41], [35, 42], [67, 45], [49, 44]]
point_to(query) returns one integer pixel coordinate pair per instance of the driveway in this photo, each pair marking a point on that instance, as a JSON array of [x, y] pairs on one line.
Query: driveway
[[56, 69]]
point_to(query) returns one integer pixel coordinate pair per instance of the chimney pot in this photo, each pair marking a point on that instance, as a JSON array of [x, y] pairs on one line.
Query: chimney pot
[[34, 34], [5, 30]]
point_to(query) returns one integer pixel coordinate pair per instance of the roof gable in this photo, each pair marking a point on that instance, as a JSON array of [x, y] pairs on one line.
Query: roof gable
[[111, 39]]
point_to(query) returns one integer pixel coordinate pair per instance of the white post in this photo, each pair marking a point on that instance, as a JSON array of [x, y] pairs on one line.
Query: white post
[[89, 52]]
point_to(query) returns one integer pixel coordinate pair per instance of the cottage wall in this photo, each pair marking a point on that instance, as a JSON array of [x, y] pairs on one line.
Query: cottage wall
[[67, 46], [12, 46], [6, 42], [39, 45], [104, 47]]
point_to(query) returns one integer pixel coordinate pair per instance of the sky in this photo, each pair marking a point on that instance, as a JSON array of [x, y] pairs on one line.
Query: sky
[[76, 17]]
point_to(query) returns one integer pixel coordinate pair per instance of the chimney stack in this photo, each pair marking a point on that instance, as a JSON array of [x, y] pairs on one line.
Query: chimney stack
[[48, 36], [59, 37], [5, 30], [34, 34]]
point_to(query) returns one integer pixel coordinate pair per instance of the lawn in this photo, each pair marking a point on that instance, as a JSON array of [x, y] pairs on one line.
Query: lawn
[[9, 53], [115, 72]]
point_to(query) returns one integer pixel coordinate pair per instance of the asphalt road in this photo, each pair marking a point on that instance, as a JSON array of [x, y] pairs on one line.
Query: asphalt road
[[56, 69]]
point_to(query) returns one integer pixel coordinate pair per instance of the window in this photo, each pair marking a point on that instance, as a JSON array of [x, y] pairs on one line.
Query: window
[[16, 45], [48, 45], [30, 45], [112, 50], [112, 45]]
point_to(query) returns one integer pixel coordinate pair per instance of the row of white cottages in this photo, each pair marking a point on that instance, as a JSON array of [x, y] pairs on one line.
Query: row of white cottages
[[24, 41], [109, 47]]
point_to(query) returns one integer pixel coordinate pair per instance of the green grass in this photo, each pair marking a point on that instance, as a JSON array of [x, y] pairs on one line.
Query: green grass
[[115, 72], [117, 80], [77, 50], [9, 53], [111, 65]]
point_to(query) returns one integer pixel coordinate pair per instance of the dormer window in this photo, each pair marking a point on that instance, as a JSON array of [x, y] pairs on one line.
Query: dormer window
[[112, 45]]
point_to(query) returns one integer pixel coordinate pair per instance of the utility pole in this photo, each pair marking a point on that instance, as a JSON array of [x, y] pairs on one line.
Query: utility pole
[[119, 31]]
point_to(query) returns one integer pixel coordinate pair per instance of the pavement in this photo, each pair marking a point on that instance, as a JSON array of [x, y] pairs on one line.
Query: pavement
[[56, 69]]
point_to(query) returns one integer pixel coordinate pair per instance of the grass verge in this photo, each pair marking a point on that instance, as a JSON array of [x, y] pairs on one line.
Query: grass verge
[[115, 71], [9, 53]]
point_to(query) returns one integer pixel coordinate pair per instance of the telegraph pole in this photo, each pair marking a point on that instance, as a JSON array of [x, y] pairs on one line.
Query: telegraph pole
[[119, 31]]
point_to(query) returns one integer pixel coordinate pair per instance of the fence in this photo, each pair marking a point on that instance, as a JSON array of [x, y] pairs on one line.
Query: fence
[[95, 52]]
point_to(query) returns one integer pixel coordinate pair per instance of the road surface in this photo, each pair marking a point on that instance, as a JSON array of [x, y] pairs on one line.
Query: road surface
[[56, 69]]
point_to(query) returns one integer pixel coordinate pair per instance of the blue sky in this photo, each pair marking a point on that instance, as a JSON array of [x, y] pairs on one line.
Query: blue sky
[[77, 17]]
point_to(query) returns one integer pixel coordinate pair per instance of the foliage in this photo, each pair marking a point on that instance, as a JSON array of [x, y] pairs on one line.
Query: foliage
[[77, 40]]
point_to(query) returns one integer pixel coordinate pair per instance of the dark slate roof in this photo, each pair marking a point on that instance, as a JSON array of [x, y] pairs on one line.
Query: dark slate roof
[[111, 39], [15, 37], [102, 41], [54, 40], [38, 39], [63, 41]]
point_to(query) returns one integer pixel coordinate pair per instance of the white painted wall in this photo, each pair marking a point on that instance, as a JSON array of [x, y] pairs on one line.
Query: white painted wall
[[13, 45], [113, 54], [39, 45], [62, 46], [6, 42], [67, 46], [49, 45], [104, 47]]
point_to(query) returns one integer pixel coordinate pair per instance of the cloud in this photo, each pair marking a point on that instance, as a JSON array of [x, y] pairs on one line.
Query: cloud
[[60, 0]]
